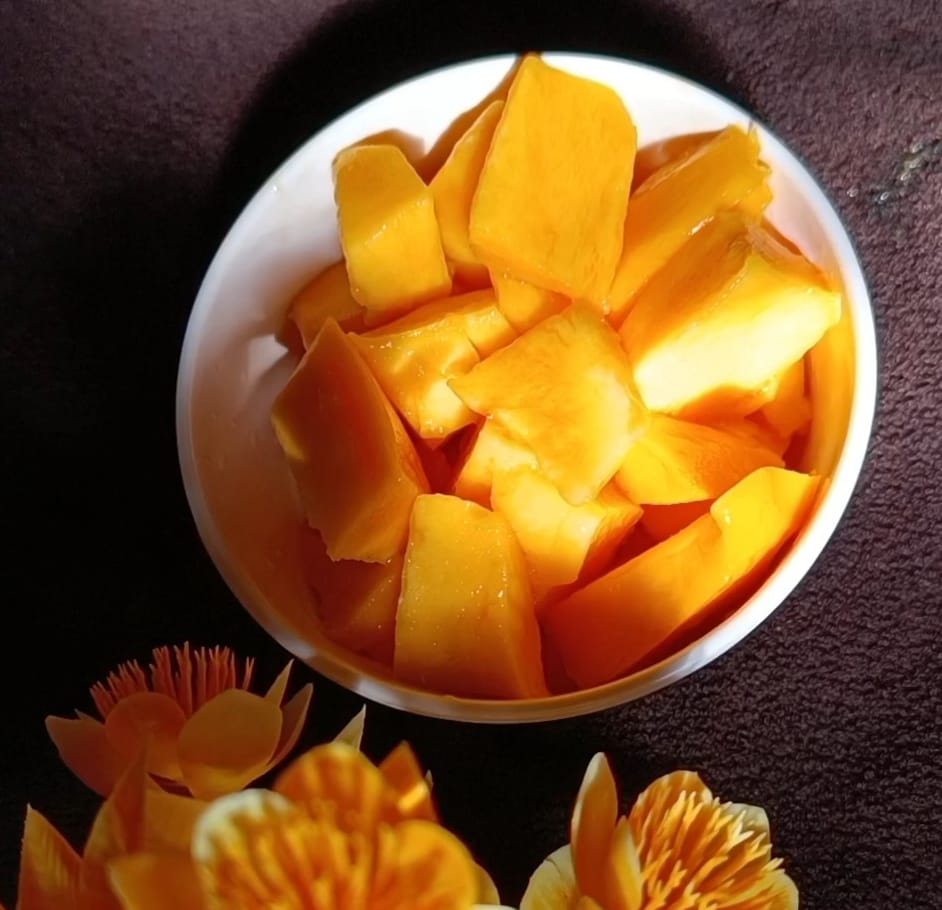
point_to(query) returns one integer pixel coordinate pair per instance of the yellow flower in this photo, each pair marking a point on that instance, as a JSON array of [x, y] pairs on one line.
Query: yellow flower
[[205, 732], [679, 848]]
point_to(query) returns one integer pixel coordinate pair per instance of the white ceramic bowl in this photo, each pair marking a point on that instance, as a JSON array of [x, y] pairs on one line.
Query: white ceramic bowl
[[231, 368]]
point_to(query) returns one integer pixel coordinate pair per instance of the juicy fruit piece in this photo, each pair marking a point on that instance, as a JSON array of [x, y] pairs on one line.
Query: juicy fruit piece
[[389, 232], [414, 357], [550, 205], [610, 626], [789, 412], [563, 389], [355, 601], [675, 461], [453, 189], [676, 200], [326, 296], [525, 304], [490, 449], [356, 469], [559, 539], [732, 310], [465, 624], [661, 522]]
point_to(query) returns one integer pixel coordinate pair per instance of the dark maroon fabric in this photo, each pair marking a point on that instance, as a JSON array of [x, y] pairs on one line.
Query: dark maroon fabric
[[131, 134]]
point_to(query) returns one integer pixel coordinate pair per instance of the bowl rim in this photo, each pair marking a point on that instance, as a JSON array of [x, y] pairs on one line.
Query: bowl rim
[[708, 647]]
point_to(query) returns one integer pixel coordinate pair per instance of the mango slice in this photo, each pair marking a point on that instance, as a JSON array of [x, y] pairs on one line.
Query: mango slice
[[355, 601], [356, 470], [453, 189], [789, 412], [465, 624], [490, 449], [525, 304], [731, 311], [559, 539], [563, 389], [414, 356], [675, 461], [388, 230], [551, 201], [677, 199], [613, 624], [661, 522], [326, 296]]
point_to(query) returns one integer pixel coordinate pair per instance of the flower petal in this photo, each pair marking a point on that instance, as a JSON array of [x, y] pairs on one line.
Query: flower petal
[[753, 818], [624, 878], [228, 742], [593, 824], [293, 716], [49, 867], [786, 897], [421, 866], [276, 692], [413, 794], [553, 885], [155, 881], [152, 718], [352, 733], [169, 821], [84, 748], [487, 890]]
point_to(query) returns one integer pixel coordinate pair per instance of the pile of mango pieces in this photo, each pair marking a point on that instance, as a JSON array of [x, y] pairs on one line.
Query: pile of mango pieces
[[545, 419]]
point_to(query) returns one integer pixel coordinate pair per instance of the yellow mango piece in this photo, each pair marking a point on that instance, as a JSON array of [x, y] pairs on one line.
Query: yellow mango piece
[[563, 389], [613, 624], [326, 296], [355, 601], [661, 522], [465, 624], [789, 412], [414, 356], [525, 304], [388, 230], [560, 539], [551, 201], [674, 461], [755, 430], [490, 449], [677, 199], [453, 189], [356, 469], [731, 311]]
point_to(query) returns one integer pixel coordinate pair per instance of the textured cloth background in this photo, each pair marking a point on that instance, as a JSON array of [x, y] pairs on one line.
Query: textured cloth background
[[131, 134]]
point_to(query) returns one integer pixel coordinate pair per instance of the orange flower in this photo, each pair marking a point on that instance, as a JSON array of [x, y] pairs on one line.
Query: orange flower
[[679, 848], [205, 732]]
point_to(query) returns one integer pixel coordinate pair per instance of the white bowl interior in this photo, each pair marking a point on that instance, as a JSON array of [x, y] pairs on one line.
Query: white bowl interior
[[238, 484]]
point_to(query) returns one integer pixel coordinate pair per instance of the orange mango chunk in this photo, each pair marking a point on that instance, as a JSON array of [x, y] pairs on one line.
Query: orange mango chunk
[[465, 624], [354, 601], [731, 311], [677, 199], [414, 356], [559, 539], [613, 624], [551, 201], [453, 189], [789, 412], [525, 304], [661, 522], [675, 461], [490, 449], [388, 230], [356, 469], [563, 389], [326, 296]]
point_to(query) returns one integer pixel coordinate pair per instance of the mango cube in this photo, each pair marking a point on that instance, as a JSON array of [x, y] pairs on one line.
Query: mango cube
[[465, 624], [551, 201], [563, 389], [661, 522], [414, 356], [789, 412], [491, 449], [326, 296], [675, 461], [355, 601], [453, 189], [388, 231], [525, 304], [676, 200], [613, 624], [560, 539], [730, 312], [356, 469]]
